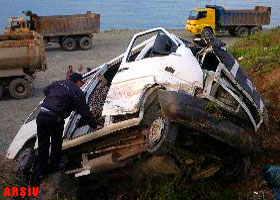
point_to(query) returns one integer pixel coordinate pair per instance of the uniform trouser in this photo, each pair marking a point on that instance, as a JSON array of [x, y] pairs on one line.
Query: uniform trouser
[[48, 127]]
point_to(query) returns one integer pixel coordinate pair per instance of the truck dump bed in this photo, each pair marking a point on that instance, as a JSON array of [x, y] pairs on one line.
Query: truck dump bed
[[24, 51], [63, 25], [256, 17]]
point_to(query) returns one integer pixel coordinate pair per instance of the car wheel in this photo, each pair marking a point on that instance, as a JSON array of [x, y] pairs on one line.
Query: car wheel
[[69, 44], [235, 168], [85, 43], [207, 33], [25, 160], [242, 31], [160, 132], [255, 30], [20, 88], [1, 91], [161, 136]]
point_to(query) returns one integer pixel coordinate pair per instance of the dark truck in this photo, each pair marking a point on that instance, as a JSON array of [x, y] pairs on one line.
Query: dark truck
[[70, 31], [215, 19]]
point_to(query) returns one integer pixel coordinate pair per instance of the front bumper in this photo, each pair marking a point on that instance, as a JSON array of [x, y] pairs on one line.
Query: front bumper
[[191, 111], [192, 29]]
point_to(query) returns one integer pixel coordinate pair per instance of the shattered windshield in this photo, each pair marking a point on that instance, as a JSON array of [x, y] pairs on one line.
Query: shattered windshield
[[193, 15]]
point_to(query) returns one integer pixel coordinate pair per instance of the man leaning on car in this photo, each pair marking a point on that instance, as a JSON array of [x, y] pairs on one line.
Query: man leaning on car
[[62, 97]]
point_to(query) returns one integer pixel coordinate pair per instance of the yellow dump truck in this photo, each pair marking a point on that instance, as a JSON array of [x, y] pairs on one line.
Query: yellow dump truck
[[70, 31], [215, 19], [21, 56]]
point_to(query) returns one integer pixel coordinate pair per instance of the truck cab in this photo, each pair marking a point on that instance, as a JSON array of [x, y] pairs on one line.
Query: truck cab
[[17, 25], [215, 19], [201, 20]]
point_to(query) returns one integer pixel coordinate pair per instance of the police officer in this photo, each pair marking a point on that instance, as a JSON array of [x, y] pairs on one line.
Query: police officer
[[62, 97]]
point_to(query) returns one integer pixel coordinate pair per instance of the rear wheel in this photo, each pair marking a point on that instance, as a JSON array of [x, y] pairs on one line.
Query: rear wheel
[[85, 43], [69, 44], [20, 88], [255, 30], [242, 31]]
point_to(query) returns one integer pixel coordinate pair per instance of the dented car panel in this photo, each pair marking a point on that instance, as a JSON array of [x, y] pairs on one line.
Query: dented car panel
[[178, 71], [124, 97], [231, 77]]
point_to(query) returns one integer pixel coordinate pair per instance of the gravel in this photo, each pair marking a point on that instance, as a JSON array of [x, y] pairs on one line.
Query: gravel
[[106, 45]]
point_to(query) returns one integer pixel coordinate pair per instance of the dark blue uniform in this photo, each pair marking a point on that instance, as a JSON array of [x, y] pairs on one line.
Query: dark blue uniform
[[62, 97]]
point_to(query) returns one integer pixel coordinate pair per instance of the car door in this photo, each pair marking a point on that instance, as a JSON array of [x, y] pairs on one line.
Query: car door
[[28, 130], [88, 89]]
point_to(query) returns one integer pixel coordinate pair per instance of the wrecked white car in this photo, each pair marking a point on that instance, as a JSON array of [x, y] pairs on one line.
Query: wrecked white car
[[166, 105]]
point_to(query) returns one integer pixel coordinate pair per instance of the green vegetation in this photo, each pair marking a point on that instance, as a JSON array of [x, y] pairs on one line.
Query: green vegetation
[[171, 189], [259, 52], [259, 56]]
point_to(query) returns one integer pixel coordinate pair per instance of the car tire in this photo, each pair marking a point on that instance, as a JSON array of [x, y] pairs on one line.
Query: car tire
[[85, 43], [1, 91], [237, 172], [255, 30], [207, 33], [242, 31], [20, 88], [161, 136], [69, 44], [25, 160]]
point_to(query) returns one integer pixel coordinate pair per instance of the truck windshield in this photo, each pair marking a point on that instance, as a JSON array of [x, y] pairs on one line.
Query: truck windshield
[[193, 15]]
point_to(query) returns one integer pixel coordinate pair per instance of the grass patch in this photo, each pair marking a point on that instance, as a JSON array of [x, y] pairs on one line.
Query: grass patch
[[259, 56], [259, 52], [171, 189]]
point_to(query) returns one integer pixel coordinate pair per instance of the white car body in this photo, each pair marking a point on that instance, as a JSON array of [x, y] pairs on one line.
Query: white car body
[[128, 86]]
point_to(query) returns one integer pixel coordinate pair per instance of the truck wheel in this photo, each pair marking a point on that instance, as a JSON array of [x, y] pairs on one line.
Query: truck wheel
[[19, 88], [242, 31], [232, 32], [69, 44], [1, 91], [85, 43], [255, 30], [206, 33]]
